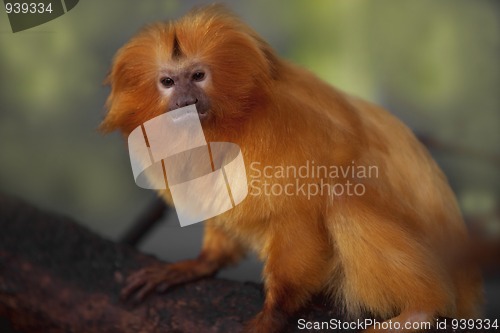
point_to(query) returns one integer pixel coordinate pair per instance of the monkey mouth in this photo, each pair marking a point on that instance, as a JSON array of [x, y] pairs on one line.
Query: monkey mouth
[[202, 114]]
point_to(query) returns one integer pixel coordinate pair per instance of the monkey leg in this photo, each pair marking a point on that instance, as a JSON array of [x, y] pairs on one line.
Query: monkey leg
[[218, 250], [296, 267], [389, 267]]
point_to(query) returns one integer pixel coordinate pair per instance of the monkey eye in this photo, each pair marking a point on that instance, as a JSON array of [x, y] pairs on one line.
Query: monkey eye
[[167, 82], [198, 76]]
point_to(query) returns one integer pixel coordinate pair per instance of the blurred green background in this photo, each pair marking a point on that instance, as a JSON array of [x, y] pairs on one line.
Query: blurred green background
[[432, 63]]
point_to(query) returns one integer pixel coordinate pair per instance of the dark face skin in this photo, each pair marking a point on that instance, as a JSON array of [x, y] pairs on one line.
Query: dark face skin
[[185, 87]]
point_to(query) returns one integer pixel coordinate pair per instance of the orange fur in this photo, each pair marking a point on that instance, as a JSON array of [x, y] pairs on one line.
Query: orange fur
[[384, 252]]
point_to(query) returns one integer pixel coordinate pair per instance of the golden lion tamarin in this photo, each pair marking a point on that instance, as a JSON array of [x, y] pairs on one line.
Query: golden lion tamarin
[[386, 251]]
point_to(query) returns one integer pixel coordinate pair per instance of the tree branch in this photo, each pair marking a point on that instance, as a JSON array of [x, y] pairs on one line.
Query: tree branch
[[56, 276]]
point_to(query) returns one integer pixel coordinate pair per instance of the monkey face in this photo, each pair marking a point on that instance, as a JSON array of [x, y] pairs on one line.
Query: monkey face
[[185, 85], [207, 58]]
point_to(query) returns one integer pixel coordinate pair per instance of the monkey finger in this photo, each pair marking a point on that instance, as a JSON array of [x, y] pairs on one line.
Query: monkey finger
[[162, 287], [144, 291], [139, 275], [130, 288]]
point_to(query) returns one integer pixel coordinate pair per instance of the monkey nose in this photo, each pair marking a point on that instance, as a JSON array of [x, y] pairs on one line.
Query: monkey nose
[[186, 102]]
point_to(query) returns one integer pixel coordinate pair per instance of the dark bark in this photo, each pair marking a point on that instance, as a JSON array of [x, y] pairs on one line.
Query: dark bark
[[56, 276]]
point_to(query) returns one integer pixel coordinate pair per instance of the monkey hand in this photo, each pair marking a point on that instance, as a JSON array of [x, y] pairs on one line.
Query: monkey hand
[[161, 277]]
